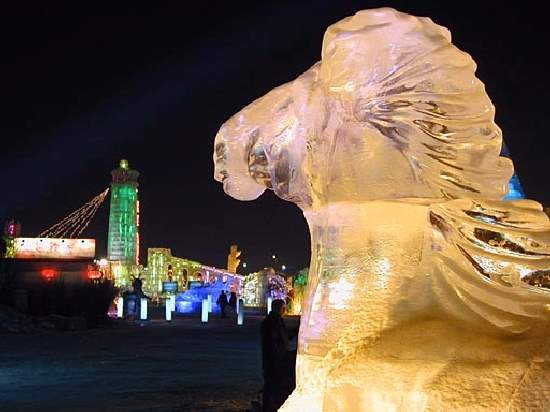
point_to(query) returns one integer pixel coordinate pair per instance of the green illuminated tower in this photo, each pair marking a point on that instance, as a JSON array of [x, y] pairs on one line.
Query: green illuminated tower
[[123, 242]]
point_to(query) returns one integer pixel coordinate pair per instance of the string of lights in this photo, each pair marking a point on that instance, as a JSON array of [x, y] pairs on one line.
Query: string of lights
[[77, 221], [84, 223], [57, 229]]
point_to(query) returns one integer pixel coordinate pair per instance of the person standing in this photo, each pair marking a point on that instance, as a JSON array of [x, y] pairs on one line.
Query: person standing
[[276, 359], [222, 301], [233, 300]]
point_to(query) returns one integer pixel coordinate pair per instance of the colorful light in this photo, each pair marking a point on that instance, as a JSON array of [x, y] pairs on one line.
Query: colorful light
[[158, 262], [137, 230], [123, 236], [204, 311], [120, 307], [269, 301], [168, 310], [240, 315], [48, 274], [143, 309], [49, 248], [94, 274], [76, 222]]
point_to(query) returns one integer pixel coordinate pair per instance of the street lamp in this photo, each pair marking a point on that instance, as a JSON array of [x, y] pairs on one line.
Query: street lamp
[[283, 268]]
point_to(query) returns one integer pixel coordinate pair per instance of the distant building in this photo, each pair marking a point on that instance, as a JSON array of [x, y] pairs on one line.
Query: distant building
[[43, 275], [163, 267]]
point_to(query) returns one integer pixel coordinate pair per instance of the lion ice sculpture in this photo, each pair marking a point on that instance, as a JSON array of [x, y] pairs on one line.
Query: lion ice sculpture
[[419, 294]]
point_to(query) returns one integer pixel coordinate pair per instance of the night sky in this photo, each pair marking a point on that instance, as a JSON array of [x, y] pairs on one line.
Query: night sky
[[84, 87]]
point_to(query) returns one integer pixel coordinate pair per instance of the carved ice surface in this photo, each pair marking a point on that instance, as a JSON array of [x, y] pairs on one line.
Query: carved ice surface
[[419, 295]]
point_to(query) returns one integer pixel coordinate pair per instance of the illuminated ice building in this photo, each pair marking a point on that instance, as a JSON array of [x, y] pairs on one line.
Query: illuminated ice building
[[123, 237]]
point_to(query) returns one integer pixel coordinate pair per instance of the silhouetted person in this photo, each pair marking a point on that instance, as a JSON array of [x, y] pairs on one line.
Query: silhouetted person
[[276, 358], [137, 284], [222, 301], [233, 300]]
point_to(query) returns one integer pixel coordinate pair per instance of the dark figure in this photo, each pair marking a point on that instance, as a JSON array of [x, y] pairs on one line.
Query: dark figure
[[277, 361], [233, 300], [137, 284], [222, 301]]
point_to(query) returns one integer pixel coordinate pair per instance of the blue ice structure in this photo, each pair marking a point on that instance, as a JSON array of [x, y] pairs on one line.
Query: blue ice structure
[[190, 301]]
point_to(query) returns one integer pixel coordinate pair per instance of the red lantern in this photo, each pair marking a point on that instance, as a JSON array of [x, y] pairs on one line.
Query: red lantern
[[48, 274], [94, 274]]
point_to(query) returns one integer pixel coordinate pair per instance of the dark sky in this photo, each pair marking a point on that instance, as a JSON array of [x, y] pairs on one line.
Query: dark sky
[[84, 87]]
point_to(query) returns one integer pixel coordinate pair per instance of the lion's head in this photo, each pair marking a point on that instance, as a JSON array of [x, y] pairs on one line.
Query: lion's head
[[392, 110]]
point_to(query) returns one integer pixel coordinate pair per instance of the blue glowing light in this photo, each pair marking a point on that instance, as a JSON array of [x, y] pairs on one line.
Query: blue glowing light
[[515, 190]]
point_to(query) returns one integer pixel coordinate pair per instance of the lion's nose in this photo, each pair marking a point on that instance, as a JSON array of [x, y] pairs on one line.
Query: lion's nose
[[220, 157]]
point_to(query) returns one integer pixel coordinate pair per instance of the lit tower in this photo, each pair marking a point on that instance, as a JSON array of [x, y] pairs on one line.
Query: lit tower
[[123, 242]]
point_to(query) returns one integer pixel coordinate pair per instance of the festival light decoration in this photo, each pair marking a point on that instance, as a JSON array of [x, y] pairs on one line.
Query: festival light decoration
[[76, 222], [54, 248], [123, 236], [158, 262], [204, 311], [298, 290], [120, 307], [49, 274], [168, 310], [240, 313], [94, 274], [143, 308], [254, 290]]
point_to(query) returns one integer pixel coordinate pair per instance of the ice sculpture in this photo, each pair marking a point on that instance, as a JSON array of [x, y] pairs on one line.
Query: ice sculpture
[[418, 295]]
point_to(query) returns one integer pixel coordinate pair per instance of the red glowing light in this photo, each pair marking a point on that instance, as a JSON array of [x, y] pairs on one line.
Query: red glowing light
[[137, 235], [94, 274], [48, 274]]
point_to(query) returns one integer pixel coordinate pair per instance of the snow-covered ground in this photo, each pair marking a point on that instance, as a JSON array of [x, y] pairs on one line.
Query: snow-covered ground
[[181, 366]]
